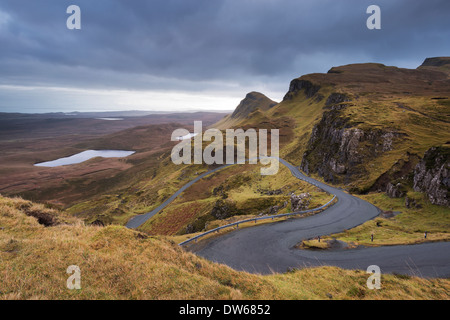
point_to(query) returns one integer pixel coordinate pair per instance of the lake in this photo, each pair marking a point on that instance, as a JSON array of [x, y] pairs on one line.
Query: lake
[[84, 156]]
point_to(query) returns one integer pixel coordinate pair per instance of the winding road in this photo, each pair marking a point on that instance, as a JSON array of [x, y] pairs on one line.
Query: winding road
[[270, 248], [139, 220]]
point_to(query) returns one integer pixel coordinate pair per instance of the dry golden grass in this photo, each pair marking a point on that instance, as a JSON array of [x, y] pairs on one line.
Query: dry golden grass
[[243, 185], [315, 244], [118, 263]]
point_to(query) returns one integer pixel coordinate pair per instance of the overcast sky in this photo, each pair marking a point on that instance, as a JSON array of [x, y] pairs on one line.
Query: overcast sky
[[197, 54]]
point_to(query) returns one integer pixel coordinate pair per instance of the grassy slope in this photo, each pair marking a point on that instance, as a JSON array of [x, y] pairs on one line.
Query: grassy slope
[[421, 130], [382, 98], [408, 227], [252, 102], [243, 184], [376, 103], [118, 263], [156, 181], [146, 190]]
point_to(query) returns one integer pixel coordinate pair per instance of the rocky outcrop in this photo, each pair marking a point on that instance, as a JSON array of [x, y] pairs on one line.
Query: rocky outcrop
[[300, 202], [395, 190], [336, 98], [98, 223], [402, 171], [221, 191], [337, 148], [270, 192], [432, 175], [412, 203], [335, 101], [223, 209], [274, 209], [298, 85]]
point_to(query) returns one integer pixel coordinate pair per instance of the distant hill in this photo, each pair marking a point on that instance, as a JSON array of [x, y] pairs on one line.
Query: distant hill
[[104, 114], [437, 64], [253, 101], [26, 126]]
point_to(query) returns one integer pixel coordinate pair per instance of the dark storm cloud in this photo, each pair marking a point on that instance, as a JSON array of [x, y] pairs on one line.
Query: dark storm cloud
[[177, 44]]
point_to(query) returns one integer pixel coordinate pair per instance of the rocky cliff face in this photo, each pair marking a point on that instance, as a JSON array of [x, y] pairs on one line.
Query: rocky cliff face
[[364, 125], [432, 175], [395, 190], [298, 85], [337, 148]]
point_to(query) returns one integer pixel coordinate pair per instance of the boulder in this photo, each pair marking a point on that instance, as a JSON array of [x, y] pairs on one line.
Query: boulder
[[300, 202], [395, 190]]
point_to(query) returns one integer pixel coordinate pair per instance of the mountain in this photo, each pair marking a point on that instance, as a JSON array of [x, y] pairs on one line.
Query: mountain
[[377, 130], [253, 102], [364, 126], [441, 64]]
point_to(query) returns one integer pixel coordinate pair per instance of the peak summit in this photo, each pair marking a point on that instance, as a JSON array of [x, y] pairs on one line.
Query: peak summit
[[252, 101]]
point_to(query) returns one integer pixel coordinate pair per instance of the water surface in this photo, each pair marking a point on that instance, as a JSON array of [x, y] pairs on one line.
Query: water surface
[[84, 156]]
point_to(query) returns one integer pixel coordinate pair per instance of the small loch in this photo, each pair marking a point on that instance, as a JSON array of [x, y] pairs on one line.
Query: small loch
[[84, 156]]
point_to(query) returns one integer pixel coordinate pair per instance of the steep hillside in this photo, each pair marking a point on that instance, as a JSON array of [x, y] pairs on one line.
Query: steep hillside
[[235, 193], [118, 263], [364, 125]]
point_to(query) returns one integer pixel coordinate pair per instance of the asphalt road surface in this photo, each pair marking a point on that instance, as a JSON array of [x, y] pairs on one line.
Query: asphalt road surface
[[270, 248], [139, 220]]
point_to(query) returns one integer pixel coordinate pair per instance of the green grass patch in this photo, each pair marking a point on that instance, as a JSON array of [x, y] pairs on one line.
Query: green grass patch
[[408, 227]]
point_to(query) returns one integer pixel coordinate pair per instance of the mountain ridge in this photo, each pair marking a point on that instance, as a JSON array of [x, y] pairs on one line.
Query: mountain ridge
[[358, 117]]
